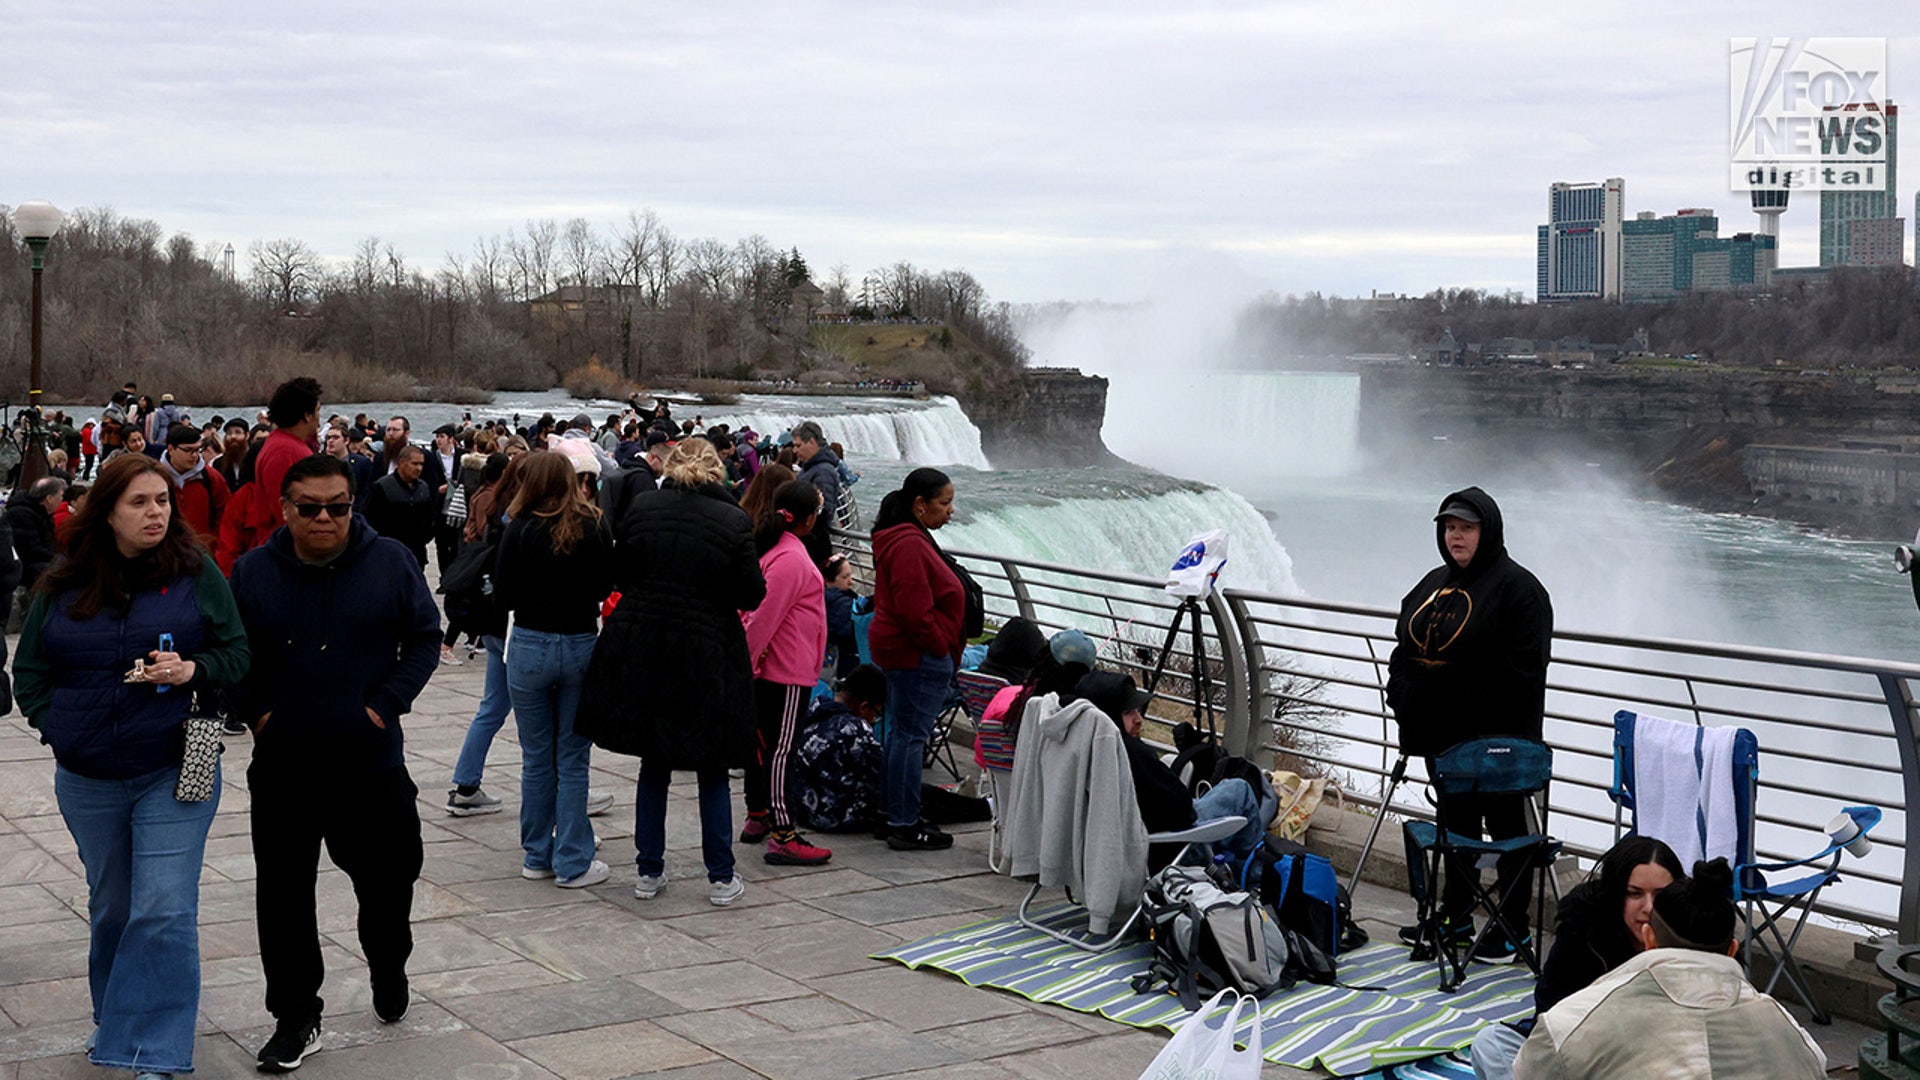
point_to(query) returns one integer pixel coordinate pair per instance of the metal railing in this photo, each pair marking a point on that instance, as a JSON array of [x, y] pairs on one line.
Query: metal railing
[[1308, 679]]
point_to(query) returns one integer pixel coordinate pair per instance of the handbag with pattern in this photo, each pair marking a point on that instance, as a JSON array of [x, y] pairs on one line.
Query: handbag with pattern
[[200, 767]]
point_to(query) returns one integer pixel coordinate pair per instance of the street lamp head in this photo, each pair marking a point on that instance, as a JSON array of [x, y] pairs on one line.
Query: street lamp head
[[37, 220]]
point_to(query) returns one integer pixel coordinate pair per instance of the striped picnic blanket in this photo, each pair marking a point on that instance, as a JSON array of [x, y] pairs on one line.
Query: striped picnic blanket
[[1389, 1012]]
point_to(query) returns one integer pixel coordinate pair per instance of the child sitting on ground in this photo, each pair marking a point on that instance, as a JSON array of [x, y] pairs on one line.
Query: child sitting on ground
[[833, 781]]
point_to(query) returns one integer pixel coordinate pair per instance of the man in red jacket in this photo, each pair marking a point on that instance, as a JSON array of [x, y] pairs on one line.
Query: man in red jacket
[[202, 497], [294, 411]]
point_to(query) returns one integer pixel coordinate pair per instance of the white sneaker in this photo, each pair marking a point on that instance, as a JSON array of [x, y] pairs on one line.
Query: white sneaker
[[532, 874], [722, 893], [470, 805], [595, 873], [599, 802], [649, 885]]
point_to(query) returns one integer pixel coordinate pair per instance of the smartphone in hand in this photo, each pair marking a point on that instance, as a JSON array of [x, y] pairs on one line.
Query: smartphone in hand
[[166, 645]]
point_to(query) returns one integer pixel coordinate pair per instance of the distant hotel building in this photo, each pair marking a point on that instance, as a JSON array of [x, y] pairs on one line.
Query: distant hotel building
[[1579, 250], [1864, 228]]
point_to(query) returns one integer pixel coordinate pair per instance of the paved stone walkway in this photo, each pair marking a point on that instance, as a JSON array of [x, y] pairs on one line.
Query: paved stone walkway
[[516, 980]]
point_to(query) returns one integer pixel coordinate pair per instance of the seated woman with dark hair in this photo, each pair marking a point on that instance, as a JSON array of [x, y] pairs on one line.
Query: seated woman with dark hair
[[1597, 930], [1682, 1007]]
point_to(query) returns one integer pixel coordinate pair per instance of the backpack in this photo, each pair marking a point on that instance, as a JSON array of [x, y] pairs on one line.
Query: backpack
[[974, 622], [456, 510], [1207, 939], [1307, 897]]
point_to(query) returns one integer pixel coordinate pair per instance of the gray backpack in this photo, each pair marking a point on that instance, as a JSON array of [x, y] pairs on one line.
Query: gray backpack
[[1206, 939]]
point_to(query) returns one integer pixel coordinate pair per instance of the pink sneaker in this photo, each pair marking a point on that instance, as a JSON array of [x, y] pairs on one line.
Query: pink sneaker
[[795, 851], [755, 830]]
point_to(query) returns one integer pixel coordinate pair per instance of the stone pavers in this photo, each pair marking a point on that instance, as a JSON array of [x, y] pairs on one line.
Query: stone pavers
[[518, 980]]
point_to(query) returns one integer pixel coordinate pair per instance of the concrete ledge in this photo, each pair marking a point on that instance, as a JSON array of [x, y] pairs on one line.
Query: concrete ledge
[[1839, 965]]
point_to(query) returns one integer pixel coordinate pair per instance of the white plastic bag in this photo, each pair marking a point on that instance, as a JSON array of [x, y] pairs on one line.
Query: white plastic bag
[[1203, 1051]]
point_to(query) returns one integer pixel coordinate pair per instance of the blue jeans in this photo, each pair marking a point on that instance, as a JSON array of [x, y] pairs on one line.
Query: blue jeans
[[544, 675], [492, 712], [915, 697], [1494, 1052], [650, 821], [142, 849], [1233, 798]]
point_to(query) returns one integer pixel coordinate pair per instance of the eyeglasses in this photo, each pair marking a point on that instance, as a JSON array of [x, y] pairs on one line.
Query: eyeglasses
[[333, 510]]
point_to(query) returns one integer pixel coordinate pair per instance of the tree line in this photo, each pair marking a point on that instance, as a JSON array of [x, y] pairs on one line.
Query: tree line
[[1857, 318], [516, 312]]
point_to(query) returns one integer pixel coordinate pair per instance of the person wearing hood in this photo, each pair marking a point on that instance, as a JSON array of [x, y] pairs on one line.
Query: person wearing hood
[[345, 635], [917, 637], [202, 492], [1473, 640]]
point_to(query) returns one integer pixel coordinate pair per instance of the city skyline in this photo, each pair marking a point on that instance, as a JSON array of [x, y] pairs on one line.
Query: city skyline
[[1058, 151]]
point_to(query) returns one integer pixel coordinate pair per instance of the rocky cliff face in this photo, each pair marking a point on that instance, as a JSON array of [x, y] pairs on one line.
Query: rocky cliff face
[[1691, 431], [1634, 402], [1041, 417]]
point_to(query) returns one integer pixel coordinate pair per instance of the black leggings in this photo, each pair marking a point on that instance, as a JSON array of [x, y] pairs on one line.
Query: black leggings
[[776, 713]]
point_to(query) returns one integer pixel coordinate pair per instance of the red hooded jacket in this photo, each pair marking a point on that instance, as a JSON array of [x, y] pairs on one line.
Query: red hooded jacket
[[919, 607]]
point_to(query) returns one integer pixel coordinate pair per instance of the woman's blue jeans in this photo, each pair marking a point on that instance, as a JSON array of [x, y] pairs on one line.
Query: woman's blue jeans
[[142, 849], [650, 821], [915, 697], [495, 703], [544, 675]]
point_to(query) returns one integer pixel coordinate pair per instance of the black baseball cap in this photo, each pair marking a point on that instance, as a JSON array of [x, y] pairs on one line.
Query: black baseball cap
[[1459, 508]]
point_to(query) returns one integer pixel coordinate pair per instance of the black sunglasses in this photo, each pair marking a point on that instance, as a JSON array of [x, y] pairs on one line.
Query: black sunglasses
[[313, 510]]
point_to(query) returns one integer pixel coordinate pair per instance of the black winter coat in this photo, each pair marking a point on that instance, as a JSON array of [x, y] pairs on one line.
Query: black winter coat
[[670, 678], [1473, 644], [32, 529], [1588, 942]]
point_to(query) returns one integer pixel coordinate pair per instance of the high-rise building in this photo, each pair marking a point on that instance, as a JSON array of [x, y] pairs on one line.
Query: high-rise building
[[1582, 255], [1657, 252], [1740, 261], [1876, 242], [1839, 210]]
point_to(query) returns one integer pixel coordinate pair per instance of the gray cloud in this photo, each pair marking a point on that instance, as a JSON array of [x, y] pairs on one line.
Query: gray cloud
[[1056, 149]]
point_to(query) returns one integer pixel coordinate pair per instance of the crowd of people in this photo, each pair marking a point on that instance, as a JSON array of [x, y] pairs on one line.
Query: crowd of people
[[675, 593], [646, 588]]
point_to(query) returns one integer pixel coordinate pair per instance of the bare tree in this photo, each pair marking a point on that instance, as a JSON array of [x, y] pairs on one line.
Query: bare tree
[[839, 286], [710, 264], [580, 253], [284, 270]]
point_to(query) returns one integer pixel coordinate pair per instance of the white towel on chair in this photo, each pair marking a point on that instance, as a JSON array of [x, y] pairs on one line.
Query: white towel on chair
[[1716, 794], [1683, 787]]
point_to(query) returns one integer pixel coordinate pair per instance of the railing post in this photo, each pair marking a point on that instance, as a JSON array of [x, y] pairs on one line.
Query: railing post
[[1239, 727], [1018, 584], [1261, 706], [1899, 697]]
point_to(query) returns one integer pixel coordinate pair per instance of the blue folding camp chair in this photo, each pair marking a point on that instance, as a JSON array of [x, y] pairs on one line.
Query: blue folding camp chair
[[1505, 767], [1764, 905]]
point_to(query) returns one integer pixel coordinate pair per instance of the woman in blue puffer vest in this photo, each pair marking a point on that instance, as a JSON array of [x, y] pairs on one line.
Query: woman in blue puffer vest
[[121, 631]]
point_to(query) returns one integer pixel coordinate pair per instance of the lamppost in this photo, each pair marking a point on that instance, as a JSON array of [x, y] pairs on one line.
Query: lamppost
[[37, 222]]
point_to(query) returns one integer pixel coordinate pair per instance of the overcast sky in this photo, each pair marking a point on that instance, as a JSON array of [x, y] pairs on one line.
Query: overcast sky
[[1057, 150]]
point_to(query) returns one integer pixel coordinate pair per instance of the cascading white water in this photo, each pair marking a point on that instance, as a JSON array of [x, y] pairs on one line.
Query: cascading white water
[[934, 433]]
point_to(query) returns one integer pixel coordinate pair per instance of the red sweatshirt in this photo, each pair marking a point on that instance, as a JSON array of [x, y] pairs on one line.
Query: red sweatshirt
[[918, 605]]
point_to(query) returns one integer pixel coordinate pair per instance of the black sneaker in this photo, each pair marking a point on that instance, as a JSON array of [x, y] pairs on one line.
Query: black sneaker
[[1497, 948], [391, 1001], [292, 1041], [918, 837], [233, 727], [1457, 935]]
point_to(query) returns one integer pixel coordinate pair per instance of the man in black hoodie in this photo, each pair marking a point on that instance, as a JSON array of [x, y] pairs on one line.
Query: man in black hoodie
[[1470, 662], [345, 635]]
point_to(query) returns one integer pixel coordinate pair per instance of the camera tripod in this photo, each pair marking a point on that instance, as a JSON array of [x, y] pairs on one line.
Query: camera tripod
[[1200, 675]]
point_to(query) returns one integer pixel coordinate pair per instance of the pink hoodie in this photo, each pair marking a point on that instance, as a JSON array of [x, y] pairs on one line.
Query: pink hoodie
[[787, 633]]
